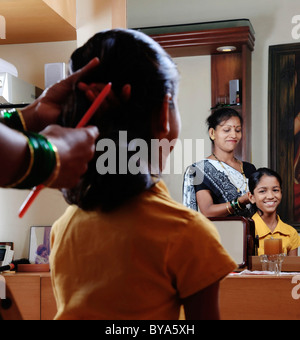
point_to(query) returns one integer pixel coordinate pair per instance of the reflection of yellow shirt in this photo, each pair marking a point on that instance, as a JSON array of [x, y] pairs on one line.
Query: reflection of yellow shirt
[[289, 235], [136, 262]]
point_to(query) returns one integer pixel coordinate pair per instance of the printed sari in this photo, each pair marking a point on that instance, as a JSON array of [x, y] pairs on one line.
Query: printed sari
[[224, 182]]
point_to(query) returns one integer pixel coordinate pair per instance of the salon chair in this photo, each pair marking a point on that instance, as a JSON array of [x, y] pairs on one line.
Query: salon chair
[[238, 238]]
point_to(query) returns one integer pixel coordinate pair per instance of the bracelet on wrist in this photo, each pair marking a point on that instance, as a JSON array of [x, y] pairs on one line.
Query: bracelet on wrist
[[27, 173], [13, 119], [236, 205], [228, 209], [44, 165], [56, 171]]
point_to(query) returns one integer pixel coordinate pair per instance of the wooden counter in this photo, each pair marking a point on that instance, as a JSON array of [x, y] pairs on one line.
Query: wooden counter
[[32, 296], [259, 297], [242, 297]]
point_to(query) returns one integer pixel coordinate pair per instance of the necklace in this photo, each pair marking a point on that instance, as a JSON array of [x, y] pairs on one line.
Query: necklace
[[228, 174]]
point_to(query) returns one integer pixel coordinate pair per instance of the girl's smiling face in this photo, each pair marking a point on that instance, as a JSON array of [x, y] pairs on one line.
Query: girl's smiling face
[[267, 195]]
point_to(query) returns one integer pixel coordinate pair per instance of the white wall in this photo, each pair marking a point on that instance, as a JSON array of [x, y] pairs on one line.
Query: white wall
[[47, 208], [94, 16], [30, 59], [271, 20], [194, 103]]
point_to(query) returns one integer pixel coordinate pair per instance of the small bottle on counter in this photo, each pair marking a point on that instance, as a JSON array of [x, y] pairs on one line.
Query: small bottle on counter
[[238, 99]]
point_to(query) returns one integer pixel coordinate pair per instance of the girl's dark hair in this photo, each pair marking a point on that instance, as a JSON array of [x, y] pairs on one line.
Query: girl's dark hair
[[126, 57], [255, 178], [222, 115]]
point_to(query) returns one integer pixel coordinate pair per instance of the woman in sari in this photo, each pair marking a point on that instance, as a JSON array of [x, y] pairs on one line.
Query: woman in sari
[[218, 185]]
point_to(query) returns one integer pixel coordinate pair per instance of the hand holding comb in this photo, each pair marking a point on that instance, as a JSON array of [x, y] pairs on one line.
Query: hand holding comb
[[84, 121]]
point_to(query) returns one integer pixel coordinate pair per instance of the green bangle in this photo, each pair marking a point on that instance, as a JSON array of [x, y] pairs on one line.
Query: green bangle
[[13, 119], [45, 156], [235, 204], [44, 161]]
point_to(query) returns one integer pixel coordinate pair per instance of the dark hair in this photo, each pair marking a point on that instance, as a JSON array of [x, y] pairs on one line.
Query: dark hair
[[221, 115], [126, 57], [255, 178], [41, 248]]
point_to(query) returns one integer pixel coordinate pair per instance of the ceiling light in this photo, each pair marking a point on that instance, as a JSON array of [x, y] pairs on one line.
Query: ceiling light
[[226, 49]]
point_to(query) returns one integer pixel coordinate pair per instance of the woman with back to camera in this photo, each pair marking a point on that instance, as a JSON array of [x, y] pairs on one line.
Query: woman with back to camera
[[125, 249], [218, 185]]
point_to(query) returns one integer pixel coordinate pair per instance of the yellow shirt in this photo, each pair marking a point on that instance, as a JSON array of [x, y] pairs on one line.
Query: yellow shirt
[[288, 234], [136, 262]]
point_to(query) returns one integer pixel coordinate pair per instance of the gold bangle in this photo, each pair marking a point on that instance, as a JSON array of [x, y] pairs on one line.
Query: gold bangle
[[27, 173], [228, 209], [56, 171], [13, 119], [238, 203], [22, 119]]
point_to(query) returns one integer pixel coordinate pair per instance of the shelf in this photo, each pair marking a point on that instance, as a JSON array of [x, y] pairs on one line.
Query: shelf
[[226, 67], [203, 38], [35, 21]]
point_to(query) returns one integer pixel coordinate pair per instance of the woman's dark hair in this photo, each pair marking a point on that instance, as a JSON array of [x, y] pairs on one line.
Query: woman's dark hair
[[255, 178], [222, 115], [126, 57]]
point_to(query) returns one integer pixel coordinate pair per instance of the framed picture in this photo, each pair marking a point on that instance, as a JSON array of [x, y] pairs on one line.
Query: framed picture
[[39, 248], [284, 126]]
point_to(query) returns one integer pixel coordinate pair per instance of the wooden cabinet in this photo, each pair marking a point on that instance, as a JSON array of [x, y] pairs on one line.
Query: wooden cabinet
[[204, 39], [48, 304], [230, 66], [32, 297], [259, 297]]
